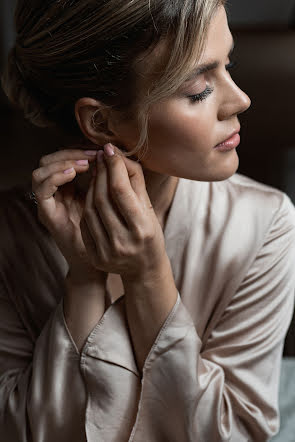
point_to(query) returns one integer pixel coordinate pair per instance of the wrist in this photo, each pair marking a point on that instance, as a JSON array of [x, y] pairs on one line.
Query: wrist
[[84, 285], [86, 277], [149, 278]]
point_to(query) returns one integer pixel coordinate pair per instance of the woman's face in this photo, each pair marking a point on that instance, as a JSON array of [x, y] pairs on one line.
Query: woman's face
[[183, 132]]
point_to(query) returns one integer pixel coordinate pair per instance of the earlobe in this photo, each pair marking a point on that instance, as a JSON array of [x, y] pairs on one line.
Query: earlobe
[[92, 117]]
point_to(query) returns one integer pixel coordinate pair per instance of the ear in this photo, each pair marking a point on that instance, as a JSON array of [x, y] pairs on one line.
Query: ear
[[93, 118]]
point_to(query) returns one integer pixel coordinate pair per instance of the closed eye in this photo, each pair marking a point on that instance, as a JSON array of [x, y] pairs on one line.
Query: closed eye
[[201, 96], [208, 91]]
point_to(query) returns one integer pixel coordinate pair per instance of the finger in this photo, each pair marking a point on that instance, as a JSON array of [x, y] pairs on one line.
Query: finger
[[42, 173], [129, 204], [102, 203], [46, 190], [46, 181], [136, 175], [68, 154], [95, 227]]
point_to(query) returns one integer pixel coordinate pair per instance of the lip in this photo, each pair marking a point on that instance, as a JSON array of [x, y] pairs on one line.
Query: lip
[[230, 143]]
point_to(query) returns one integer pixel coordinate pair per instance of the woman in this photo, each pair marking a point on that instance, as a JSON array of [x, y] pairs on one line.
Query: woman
[[183, 340]]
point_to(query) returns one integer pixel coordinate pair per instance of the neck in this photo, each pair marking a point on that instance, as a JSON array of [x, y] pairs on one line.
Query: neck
[[161, 190]]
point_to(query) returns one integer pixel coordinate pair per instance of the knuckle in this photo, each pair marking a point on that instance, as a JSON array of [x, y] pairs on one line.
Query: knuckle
[[44, 161], [143, 235], [149, 237], [119, 249], [65, 164], [36, 174], [117, 189]]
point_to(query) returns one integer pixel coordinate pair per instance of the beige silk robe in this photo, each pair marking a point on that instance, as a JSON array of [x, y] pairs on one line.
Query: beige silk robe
[[213, 371]]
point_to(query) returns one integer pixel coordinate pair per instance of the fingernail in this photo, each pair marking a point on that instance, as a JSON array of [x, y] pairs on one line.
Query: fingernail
[[68, 171], [109, 150], [82, 162], [91, 152], [100, 155]]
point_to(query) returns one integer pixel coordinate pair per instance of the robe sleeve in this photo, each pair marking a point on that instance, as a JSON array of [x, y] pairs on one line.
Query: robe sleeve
[[48, 390], [51, 392], [42, 394], [226, 389]]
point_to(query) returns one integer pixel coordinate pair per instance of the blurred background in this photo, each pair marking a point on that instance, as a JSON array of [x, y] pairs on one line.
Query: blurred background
[[264, 32]]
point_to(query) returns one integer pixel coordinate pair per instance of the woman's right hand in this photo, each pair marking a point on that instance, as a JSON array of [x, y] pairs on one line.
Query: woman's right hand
[[60, 208]]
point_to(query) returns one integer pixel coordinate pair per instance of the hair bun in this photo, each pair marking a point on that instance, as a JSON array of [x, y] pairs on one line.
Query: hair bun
[[14, 86]]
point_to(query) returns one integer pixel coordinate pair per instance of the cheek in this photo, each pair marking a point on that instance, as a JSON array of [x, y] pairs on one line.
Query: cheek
[[181, 143], [175, 132], [181, 125]]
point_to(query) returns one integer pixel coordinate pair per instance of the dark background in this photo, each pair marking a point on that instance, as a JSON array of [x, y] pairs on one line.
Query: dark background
[[264, 31]]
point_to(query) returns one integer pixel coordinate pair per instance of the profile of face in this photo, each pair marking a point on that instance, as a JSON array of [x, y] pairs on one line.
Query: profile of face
[[185, 128]]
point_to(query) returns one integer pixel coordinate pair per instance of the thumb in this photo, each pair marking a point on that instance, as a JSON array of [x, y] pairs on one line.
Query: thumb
[[135, 173]]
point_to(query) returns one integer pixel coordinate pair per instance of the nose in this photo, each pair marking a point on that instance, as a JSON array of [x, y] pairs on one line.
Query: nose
[[234, 100]]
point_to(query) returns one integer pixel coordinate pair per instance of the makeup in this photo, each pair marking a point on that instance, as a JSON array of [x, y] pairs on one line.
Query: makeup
[[229, 144]]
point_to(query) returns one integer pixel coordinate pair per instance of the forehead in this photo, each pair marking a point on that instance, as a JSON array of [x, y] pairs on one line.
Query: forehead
[[218, 43], [219, 39]]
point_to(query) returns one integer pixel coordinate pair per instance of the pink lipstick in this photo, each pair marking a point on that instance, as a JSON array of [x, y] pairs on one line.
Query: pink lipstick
[[229, 144]]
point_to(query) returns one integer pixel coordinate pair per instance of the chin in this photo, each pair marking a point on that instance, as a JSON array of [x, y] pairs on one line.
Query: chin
[[221, 172], [225, 167], [228, 168]]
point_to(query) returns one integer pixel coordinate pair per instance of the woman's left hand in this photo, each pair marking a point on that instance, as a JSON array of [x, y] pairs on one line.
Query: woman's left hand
[[120, 229]]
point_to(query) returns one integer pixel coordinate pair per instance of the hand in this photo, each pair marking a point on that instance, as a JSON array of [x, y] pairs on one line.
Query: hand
[[119, 227], [60, 210]]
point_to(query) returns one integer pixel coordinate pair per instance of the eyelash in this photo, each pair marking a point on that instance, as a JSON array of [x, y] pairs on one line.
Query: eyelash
[[202, 96], [208, 91]]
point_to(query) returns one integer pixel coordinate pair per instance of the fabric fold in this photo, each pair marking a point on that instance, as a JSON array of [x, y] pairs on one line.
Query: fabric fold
[[227, 389], [44, 398], [111, 376], [110, 340], [213, 371]]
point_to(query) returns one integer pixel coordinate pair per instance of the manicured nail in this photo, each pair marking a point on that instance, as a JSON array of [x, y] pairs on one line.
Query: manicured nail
[[100, 156], [109, 150], [91, 152], [68, 171], [82, 162]]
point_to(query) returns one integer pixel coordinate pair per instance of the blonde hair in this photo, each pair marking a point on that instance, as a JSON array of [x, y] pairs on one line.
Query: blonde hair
[[69, 49]]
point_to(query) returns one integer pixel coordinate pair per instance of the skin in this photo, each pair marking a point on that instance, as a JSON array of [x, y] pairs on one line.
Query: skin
[[182, 134], [122, 218]]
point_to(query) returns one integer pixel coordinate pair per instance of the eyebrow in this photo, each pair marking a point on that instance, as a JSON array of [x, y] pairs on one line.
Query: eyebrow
[[203, 68]]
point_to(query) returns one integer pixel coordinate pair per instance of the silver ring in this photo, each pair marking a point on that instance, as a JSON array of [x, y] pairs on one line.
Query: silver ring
[[32, 197]]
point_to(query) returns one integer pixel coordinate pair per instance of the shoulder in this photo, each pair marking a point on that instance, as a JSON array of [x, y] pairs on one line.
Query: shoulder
[[263, 201], [266, 217], [243, 186], [241, 217], [243, 200]]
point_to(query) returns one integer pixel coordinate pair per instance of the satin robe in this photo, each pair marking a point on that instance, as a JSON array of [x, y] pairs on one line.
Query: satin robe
[[213, 371]]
